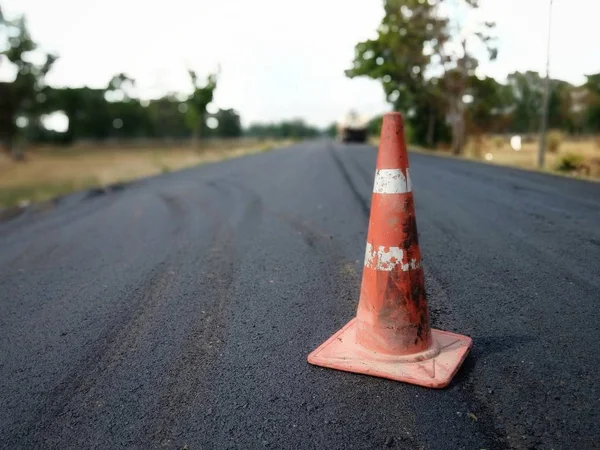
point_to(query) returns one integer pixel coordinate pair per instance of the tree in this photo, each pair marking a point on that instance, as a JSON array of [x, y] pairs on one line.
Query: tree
[[396, 57], [121, 86], [294, 129], [198, 101], [107, 113], [527, 89], [86, 109], [592, 86], [424, 62], [128, 118], [526, 93], [228, 124], [488, 110], [374, 126], [20, 97], [560, 106], [167, 118], [331, 130]]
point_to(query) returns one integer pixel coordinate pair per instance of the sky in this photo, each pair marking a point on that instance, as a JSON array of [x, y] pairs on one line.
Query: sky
[[278, 59]]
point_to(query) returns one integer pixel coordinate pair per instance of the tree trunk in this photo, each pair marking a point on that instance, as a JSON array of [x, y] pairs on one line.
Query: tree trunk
[[430, 129], [458, 126], [16, 149], [8, 129], [195, 138], [458, 136], [197, 132]]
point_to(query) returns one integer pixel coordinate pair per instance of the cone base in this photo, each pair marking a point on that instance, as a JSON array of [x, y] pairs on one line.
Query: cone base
[[341, 352]]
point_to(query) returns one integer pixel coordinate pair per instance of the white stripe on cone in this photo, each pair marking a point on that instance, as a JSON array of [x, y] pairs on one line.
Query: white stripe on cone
[[392, 181], [387, 258]]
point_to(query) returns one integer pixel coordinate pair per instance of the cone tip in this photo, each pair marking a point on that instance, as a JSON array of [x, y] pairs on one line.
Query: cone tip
[[394, 118]]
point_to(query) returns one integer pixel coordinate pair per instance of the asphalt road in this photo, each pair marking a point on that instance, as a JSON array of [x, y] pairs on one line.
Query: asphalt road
[[179, 310]]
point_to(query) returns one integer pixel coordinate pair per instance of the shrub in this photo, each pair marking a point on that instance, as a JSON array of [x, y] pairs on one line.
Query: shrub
[[498, 142], [555, 138], [569, 162]]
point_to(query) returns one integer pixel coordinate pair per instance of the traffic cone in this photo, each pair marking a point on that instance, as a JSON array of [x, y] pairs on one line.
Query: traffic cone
[[390, 336]]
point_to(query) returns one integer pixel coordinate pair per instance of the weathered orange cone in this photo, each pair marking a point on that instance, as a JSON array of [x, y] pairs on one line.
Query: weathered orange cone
[[390, 336]]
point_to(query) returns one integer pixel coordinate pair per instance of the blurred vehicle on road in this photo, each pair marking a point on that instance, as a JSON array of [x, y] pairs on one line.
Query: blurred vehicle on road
[[353, 127]]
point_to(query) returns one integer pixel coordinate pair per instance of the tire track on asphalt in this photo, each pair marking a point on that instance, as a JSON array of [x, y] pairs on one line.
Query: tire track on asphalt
[[441, 310], [80, 385], [100, 358], [233, 212], [362, 201]]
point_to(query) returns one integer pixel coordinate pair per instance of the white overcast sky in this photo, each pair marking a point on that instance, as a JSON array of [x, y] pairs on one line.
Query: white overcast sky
[[279, 58]]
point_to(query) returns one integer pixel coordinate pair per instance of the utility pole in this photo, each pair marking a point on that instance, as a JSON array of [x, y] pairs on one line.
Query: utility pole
[[544, 126]]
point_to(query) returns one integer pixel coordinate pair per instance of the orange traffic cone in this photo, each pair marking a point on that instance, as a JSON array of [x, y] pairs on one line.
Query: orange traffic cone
[[390, 336]]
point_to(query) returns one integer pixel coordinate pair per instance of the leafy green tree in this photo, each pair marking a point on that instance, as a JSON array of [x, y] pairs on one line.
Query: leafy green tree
[[488, 110], [396, 57], [527, 88], [374, 126], [20, 97], [414, 41], [560, 106], [86, 109], [294, 129], [229, 124], [592, 118], [198, 101], [121, 86], [129, 119], [167, 118], [331, 130]]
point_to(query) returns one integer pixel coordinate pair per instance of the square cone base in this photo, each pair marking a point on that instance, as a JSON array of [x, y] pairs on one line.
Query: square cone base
[[341, 352]]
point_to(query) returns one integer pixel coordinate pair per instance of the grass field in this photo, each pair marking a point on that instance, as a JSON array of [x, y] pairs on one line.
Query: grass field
[[50, 172], [497, 150]]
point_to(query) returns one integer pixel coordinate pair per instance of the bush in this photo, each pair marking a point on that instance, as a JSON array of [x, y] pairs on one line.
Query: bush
[[569, 162], [498, 143], [555, 138]]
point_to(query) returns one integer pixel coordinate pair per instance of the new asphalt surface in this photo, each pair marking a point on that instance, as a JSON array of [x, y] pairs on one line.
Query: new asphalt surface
[[177, 312]]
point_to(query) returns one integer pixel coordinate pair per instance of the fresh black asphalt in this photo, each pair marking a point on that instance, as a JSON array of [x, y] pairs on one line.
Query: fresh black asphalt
[[177, 312]]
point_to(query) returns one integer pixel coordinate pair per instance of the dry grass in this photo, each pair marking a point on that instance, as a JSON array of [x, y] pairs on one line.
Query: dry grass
[[50, 172], [502, 154], [527, 157]]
